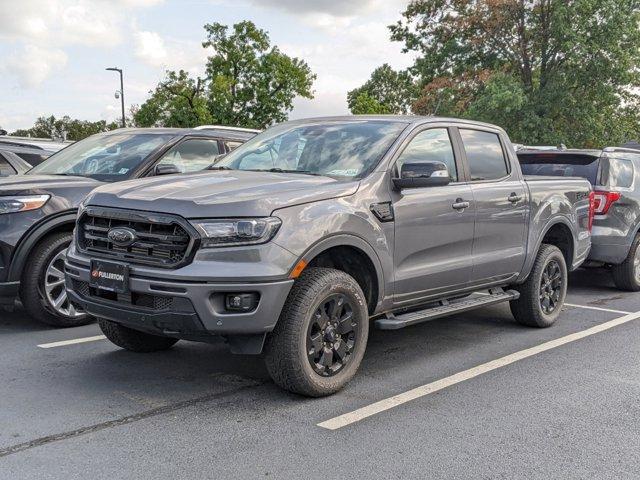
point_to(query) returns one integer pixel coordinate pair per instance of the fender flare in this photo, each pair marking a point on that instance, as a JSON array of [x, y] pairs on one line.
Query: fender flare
[[32, 237], [557, 220], [344, 239]]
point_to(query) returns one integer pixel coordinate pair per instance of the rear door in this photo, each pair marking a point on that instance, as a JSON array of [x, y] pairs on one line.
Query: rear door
[[433, 239], [501, 202]]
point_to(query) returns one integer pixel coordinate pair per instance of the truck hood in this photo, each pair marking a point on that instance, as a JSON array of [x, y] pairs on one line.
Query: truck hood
[[213, 194]]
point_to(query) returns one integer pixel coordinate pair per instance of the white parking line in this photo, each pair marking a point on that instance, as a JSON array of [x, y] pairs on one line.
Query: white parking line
[[397, 400], [72, 342], [600, 309]]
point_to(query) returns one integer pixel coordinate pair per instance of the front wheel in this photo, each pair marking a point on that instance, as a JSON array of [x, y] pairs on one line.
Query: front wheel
[[542, 295], [321, 335], [43, 294]]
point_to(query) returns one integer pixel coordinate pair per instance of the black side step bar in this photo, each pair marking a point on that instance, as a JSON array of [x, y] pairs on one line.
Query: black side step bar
[[444, 308]]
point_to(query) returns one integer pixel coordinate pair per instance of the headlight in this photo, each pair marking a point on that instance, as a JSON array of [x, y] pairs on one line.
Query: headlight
[[22, 203], [245, 231]]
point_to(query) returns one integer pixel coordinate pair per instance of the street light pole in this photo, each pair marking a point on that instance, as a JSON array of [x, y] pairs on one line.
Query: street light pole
[[119, 70]]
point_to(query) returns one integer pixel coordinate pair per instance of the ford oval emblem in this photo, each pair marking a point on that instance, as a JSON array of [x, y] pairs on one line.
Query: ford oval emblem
[[122, 236]]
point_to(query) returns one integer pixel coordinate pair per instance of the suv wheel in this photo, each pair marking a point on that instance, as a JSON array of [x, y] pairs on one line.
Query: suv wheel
[[321, 335], [134, 340], [43, 293], [626, 276], [542, 295]]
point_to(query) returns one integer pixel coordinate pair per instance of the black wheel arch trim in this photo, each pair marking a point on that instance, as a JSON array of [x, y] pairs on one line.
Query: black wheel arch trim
[[348, 240], [528, 265], [31, 238]]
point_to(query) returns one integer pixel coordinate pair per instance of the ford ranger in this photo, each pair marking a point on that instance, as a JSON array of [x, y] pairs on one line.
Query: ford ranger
[[294, 241]]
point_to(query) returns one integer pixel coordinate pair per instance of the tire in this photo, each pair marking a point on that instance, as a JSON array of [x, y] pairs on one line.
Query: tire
[[532, 309], [302, 341], [626, 276], [36, 294], [134, 340]]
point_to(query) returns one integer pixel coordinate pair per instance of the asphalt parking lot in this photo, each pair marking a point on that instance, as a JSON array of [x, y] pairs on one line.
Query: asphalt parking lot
[[566, 409]]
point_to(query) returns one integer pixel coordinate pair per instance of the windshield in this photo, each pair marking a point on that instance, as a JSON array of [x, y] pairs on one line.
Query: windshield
[[340, 149], [108, 158]]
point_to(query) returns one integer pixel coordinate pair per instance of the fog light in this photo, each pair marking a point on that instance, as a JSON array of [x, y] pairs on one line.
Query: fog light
[[241, 302]]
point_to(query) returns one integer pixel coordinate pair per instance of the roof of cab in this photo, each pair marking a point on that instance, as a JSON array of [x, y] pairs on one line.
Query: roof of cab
[[408, 119]]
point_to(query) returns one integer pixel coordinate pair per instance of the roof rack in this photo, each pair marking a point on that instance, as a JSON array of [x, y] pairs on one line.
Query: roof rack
[[225, 127]]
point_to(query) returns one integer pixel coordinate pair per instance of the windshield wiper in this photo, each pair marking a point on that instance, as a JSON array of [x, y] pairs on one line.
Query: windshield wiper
[[285, 170], [219, 167]]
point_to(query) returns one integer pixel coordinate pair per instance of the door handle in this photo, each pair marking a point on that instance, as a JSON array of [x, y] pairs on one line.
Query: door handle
[[460, 204], [514, 198]]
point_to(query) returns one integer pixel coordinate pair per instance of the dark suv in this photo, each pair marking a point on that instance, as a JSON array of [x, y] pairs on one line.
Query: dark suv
[[615, 176], [38, 209]]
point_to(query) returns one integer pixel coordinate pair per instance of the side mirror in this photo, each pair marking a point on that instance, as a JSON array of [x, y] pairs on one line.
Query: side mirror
[[422, 174], [166, 169]]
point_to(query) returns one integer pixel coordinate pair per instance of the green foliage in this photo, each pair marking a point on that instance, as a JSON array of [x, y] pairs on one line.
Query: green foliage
[[177, 101], [549, 71], [387, 91], [364, 104], [247, 83], [65, 127]]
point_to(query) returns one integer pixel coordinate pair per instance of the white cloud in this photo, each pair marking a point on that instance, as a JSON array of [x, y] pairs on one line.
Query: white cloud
[[36, 27], [150, 48], [336, 8], [33, 64]]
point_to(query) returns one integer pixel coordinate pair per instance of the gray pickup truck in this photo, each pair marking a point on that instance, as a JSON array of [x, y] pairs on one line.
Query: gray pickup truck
[[312, 228]]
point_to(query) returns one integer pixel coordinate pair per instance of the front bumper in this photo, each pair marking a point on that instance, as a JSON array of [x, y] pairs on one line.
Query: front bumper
[[181, 309]]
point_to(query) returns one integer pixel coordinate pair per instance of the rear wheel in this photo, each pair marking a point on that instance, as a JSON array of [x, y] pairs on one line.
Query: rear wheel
[[134, 340], [626, 276], [321, 335], [542, 295], [43, 292]]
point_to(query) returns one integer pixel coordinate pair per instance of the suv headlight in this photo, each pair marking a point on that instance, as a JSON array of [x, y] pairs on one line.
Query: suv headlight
[[22, 203], [242, 231]]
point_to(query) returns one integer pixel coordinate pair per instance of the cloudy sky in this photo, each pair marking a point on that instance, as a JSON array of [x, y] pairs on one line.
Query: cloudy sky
[[53, 52]]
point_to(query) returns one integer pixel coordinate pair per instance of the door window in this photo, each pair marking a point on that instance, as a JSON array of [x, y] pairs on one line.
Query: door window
[[5, 168], [433, 145], [484, 155], [191, 155]]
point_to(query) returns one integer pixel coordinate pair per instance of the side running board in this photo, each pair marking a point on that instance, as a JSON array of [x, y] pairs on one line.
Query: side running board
[[442, 309]]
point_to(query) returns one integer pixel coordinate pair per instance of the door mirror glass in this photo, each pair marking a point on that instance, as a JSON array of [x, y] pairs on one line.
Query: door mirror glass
[[166, 169], [422, 174]]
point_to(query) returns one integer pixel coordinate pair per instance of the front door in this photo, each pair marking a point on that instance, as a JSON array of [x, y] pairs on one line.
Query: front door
[[433, 235], [501, 208]]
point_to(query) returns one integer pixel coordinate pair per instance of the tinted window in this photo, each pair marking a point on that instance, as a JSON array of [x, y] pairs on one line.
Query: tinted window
[[431, 146], [32, 159], [341, 149], [192, 155], [560, 165], [620, 173], [484, 155], [5, 168]]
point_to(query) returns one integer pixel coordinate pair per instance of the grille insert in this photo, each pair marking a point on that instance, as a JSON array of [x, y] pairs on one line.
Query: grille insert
[[162, 241]]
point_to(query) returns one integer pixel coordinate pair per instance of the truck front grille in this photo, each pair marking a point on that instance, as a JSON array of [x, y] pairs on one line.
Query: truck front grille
[[161, 240], [140, 300]]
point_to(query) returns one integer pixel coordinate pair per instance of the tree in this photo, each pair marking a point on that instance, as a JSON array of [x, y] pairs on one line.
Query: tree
[[177, 101], [549, 71], [65, 128], [386, 91], [247, 83]]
